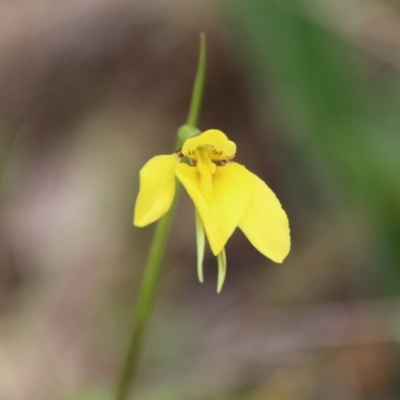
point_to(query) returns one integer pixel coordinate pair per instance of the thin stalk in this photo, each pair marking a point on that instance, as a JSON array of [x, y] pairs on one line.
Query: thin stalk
[[157, 249], [198, 86], [145, 300]]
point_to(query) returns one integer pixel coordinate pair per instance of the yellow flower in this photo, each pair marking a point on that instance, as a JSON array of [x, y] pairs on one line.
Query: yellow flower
[[225, 194]]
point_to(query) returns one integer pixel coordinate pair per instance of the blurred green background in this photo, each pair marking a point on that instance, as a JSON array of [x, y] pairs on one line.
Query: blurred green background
[[310, 92]]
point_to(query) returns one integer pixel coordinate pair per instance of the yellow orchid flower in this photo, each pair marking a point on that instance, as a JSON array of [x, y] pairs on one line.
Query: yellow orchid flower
[[226, 195]]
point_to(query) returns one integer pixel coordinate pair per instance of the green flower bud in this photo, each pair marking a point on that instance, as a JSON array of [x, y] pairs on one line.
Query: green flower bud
[[186, 132]]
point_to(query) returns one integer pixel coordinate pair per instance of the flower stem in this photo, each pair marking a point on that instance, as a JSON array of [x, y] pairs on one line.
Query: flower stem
[[157, 248], [145, 300], [198, 86]]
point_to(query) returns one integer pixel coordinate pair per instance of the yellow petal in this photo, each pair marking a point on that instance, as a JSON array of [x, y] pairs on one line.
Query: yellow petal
[[157, 189], [222, 209], [265, 222], [214, 141]]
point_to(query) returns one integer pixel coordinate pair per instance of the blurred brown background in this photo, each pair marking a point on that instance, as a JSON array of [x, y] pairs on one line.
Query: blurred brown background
[[308, 89]]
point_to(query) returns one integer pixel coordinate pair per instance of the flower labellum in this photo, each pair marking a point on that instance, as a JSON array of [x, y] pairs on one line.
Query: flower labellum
[[226, 195]]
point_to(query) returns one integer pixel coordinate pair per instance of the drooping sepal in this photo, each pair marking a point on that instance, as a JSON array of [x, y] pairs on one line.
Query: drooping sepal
[[200, 241], [265, 223], [157, 189], [221, 258]]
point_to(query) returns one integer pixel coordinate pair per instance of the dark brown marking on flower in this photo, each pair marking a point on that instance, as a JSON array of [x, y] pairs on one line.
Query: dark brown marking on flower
[[221, 163], [179, 153]]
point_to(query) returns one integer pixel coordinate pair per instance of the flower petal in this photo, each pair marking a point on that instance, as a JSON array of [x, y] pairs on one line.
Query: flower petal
[[223, 208], [221, 148], [157, 189], [265, 222]]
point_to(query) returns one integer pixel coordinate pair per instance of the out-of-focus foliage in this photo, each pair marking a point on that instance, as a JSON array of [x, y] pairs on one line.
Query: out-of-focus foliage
[[339, 98], [308, 89]]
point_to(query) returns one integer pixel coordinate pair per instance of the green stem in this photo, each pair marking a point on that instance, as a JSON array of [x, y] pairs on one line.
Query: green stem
[[146, 299], [157, 249], [198, 86]]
